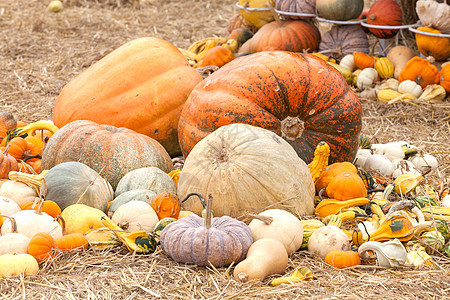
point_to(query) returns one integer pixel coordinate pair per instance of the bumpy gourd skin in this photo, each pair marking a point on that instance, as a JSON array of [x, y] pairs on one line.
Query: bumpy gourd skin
[[297, 96]]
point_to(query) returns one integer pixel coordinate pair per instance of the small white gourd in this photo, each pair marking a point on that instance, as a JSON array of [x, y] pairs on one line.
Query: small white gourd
[[135, 215], [390, 83], [30, 222], [422, 162], [361, 157], [379, 163], [348, 62], [409, 86], [446, 201], [403, 166], [17, 191], [8, 206], [13, 242], [326, 239], [367, 78], [392, 151]]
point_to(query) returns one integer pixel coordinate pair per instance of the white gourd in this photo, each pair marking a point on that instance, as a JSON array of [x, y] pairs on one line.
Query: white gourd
[[424, 161], [29, 222], [409, 86], [361, 157], [379, 163], [326, 239], [17, 191], [8, 206], [135, 215], [348, 62], [367, 78]]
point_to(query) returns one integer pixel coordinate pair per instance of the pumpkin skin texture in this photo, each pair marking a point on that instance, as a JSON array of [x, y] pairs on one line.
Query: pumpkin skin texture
[[340, 10], [16, 264], [68, 182], [342, 259], [345, 40], [280, 91], [444, 78], [7, 163], [385, 13], [188, 241], [296, 6], [294, 36], [438, 47], [108, 150], [421, 71], [142, 86], [242, 166]]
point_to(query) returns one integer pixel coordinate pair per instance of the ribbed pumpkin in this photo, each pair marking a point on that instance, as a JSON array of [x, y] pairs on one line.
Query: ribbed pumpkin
[[341, 10], [109, 150], [246, 168], [438, 47], [294, 36], [420, 70], [216, 56], [343, 40], [7, 163], [296, 6], [363, 60], [384, 67], [385, 13], [142, 86], [280, 91], [73, 182], [444, 77]]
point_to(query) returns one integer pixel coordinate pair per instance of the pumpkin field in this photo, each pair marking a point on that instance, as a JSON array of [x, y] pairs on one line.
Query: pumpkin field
[[235, 149]]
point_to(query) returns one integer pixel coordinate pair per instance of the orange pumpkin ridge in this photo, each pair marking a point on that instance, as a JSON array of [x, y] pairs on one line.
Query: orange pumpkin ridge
[[385, 13]]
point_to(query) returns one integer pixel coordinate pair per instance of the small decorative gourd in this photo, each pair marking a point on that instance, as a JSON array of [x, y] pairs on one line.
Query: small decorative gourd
[[384, 67], [166, 205], [13, 242], [342, 259], [363, 60], [69, 242], [326, 239], [14, 265], [367, 78], [135, 215], [82, 218], [438, 47], [42, 247], [348, 62], [133, 195], [201, 241], [409, 86], [346, 186], [320, 160]]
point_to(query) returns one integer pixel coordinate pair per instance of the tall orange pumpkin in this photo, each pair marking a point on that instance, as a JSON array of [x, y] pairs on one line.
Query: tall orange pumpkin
[[298, 96], [142, 86]]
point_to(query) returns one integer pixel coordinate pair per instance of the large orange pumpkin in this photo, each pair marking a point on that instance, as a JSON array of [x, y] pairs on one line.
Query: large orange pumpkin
[[294, 36], [141, 86], [298, 96], [110, 151]]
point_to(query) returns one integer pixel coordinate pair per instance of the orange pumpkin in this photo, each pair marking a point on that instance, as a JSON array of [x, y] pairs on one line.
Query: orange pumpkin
[[7, 163], [438, 47], [19, 148], [384, 13], [166, 205], [36, 165], [42, 247], [216, 56], [346, 186], [294, 36], [50, 207], [420, 70], [69, 242], [7, 122], [332, 171], [342, 259], [141, 86], [363, 60], [444, 77]]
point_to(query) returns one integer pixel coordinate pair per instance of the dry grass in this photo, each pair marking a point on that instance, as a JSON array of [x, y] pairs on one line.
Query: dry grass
[[41, 52]]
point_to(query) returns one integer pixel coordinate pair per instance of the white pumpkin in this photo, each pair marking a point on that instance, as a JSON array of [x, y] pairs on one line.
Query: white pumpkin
[[403, 166], [366, 78], [409, 86], [390, 83], [30, 222], [422, 162], [379, 163], [17, 191], [280, 225], [8, 206], [326, 239], [135, 215], [14, 242], [246, 168], [348, 62], [445, 202], [392, 151], [434, 14], [361, 157]]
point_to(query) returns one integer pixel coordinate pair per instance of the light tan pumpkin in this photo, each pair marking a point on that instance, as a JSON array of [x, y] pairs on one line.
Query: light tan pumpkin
[[434, 14], [265, 257], [17, 191], [326, 239], [17, 264], [246, 168], [280, 225], [8, 206], [13, 242], [134, 216]]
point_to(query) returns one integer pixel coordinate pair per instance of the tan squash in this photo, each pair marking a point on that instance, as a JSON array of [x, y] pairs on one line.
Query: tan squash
[[326, 239], [399, 56], [265, 257]]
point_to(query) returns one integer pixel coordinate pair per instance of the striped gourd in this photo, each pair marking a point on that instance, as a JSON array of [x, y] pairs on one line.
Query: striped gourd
[[309, 226]]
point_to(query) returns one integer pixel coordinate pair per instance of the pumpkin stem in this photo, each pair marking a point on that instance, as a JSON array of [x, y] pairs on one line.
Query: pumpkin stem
[[274, 13], [199, 197], [207, 70], [208, 218], [40, 205], [266, 219], [372, 17], [292, 128], [13, 223], [61, 222]]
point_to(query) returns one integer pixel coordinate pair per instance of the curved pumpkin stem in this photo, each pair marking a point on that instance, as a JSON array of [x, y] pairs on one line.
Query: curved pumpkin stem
[[199, 197], [13, 223], [274, 13], [266, 219], [61, 222]]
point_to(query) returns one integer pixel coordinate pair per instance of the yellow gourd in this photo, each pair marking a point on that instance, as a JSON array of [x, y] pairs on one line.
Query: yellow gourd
[[384, 67], [331, 206], [320, 160]]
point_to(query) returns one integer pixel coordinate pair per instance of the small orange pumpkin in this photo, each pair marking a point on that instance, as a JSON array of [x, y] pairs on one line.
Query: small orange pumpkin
[[50, 207], [438, 47], [217, 56], [73, 241], [7, 163], [342, 259], [420, 70], [42, 247], [7, 122], [166, 205], [331, 171], [346, 186], [444, 77], [21, 149], [363, 60]]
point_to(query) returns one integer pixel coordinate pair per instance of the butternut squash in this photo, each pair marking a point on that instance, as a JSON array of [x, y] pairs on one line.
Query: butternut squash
[[399, 56], [265, 257]]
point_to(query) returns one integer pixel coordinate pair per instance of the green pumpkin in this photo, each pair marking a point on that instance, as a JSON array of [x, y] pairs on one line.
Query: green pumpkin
[[161, 225], [146, 245], [432, 240], [364, 141], [133, 195], [442, 227]]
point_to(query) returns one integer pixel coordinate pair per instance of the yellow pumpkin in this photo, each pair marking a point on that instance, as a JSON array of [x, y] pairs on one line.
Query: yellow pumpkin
[[438, 47], [81, 218]]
